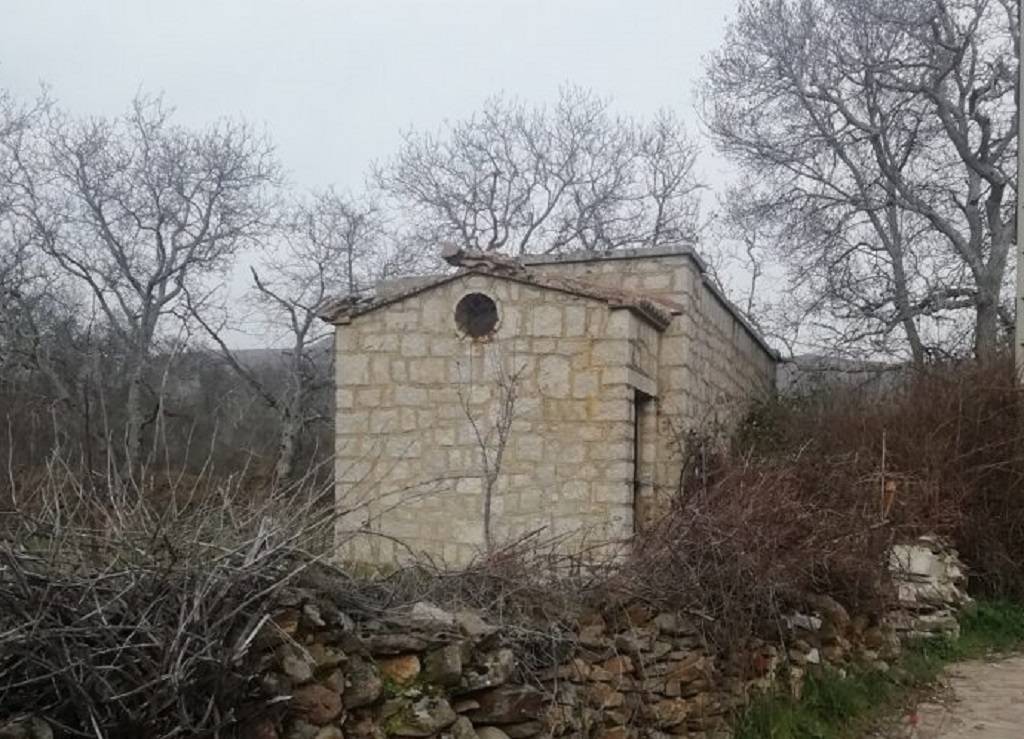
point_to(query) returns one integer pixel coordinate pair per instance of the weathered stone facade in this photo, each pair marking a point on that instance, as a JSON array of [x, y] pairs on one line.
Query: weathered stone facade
[[570, 416], [711, 362]]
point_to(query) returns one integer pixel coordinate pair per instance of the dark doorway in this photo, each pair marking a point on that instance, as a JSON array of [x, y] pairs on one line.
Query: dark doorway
[[643, 438]]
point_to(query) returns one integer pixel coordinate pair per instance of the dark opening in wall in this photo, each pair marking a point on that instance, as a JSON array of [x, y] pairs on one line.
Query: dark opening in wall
[[643, 456], [476, 315]]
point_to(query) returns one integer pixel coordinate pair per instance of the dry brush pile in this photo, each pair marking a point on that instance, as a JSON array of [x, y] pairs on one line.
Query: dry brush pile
[[941, 451], [129, 610], [815, 490]]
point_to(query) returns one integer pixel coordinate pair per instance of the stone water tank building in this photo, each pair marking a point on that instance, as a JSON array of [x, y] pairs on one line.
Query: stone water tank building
[[550, 394]]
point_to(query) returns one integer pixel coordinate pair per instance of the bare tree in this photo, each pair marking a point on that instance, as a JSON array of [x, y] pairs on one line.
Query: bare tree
[[137, 209], [326, 244], [40, 319], [492, 429], [19, 136], [879, 139], [522, 179], [15, 122]]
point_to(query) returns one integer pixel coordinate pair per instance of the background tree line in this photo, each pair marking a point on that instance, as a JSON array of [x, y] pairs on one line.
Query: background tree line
[[872, 213], [121, 240]]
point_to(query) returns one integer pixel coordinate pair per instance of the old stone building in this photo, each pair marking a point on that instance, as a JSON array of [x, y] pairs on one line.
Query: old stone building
[[548, 394]]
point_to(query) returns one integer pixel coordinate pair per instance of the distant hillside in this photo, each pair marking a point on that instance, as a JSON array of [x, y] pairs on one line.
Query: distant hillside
[[265, 358]]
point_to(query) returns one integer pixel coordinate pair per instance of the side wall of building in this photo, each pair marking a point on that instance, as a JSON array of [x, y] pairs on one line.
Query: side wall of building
[[419, 407], [710, 364]]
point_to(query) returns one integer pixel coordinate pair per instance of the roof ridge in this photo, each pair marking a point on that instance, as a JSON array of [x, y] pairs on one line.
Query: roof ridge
[[658, 311]]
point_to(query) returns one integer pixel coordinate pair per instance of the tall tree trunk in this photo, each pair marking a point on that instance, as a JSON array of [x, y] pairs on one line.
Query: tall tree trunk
[[901, 295], [914, 339], [137, 365], [986, 325], [133, 421], [990, 285], [291, 427]]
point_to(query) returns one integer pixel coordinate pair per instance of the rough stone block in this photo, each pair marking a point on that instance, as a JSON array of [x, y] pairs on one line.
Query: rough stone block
[[414, 345], [575, 321], [406, 395], [428, 371], [546, 320], [379, 342], [554, 378], [343, 399], [354, 369]]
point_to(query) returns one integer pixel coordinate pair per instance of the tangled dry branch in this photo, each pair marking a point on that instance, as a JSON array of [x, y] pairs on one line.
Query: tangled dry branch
[[133, 615]]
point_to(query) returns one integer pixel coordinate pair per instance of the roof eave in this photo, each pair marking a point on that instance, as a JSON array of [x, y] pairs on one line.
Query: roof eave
[[345, 311]]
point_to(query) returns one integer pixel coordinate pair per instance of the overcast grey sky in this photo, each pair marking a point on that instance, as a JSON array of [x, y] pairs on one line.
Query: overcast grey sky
[[336, 81]]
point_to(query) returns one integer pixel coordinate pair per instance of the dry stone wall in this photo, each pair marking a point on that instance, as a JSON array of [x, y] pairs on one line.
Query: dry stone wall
[[628, 671], [621, 671]]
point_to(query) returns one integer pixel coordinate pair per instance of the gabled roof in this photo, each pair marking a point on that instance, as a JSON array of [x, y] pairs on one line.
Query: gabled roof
[[656, 310]]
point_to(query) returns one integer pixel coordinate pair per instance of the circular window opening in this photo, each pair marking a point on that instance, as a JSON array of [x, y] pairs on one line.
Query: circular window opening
[[476, 315]]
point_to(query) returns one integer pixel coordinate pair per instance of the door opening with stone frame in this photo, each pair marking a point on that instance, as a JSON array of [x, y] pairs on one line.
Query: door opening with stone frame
[[643, 459]]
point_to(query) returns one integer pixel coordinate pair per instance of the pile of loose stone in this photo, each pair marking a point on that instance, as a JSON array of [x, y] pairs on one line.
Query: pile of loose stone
[[930, 585]]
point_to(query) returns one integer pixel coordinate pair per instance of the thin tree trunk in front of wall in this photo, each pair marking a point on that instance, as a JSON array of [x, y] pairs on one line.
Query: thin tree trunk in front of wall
[[488, 501]]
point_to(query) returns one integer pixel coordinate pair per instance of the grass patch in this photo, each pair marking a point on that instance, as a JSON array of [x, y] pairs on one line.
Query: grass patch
[[838, 706], [993, 626], [828, 702]]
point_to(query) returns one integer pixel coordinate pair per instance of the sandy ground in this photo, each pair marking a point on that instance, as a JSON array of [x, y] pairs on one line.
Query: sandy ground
[[978, 699]]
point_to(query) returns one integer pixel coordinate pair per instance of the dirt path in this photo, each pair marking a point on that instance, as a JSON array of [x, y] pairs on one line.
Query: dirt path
[[978, 699]]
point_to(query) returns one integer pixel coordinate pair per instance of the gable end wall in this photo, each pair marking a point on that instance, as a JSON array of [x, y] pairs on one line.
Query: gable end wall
[[409, 460]]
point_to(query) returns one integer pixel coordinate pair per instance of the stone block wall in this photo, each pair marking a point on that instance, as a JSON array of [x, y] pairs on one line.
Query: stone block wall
[[721, 363], [418, 404], [710, 363]]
